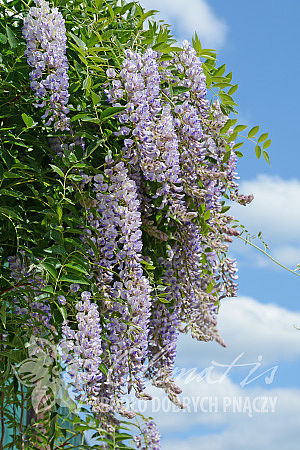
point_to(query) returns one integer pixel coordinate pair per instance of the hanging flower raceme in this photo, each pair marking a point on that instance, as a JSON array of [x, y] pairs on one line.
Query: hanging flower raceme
[[45, 33], [37, 310], [163, 333], [149, 438], [125, 290], [81, 350], [173, 139], [153, 143]]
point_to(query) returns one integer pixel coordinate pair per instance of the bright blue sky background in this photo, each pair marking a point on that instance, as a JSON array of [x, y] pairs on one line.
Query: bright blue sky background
[[259, 42]]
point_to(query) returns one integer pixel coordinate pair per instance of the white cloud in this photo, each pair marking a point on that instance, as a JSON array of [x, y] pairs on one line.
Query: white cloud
[[275, 209], [261, 431], [223, 426], [248, 327], [288, 254], [254, 329], [190, 16]]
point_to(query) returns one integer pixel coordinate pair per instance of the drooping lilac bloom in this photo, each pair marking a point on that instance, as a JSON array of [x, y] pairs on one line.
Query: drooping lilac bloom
[[38, 310], [163, 333], [62, 144], [45, 33], [153, 143], [149, 438], [127, 298], [82, 349]]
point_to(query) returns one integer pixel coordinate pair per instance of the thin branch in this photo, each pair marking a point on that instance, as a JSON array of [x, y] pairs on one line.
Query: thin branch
[[22, 418], [269, 256], [15, 286], [2, 421]]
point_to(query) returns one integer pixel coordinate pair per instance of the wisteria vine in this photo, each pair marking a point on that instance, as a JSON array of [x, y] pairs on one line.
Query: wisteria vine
[[156, 230]]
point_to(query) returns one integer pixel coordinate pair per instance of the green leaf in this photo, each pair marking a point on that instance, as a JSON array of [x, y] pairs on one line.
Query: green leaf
[[82, 116], [78, 41], [77, 267], [59, 212], [27, 120], [232, 137], [238, 145], [220, 71], [87, 83], [57, 170], [48, 289], [145, 16], [206, 215], [253, 131], [99, 4], [257, 151], [267, 143], [3, 38], [111, 111], [11, 37], [225, 209], [239, 128], [96, 98], [266, 156], [227, 100], [147, 265], [226, 156], [229, 76], [103, 368], [239, 154], [228, 124], [179, 90], [74, 279], [210, 287], [233, 89], [50, 269], [111, 11], [263, 137]]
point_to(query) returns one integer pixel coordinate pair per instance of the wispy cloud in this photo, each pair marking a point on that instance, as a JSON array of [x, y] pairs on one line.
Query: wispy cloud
[[275, 211], [275, 337], [189, 16], [252, 328], [239, 431]]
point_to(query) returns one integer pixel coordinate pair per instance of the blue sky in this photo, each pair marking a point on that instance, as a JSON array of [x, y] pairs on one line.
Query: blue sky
[[259, 43]]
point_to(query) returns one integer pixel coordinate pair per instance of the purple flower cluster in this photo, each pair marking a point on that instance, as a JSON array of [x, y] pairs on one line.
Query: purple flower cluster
[[153, 144], [45, 33], [120, 276], [163, 333], [172, 138], [149, 438], [82, 350], [38, 311]]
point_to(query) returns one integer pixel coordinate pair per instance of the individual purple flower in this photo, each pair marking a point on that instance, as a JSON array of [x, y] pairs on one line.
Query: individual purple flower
[[62, 300], [74, 287]]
